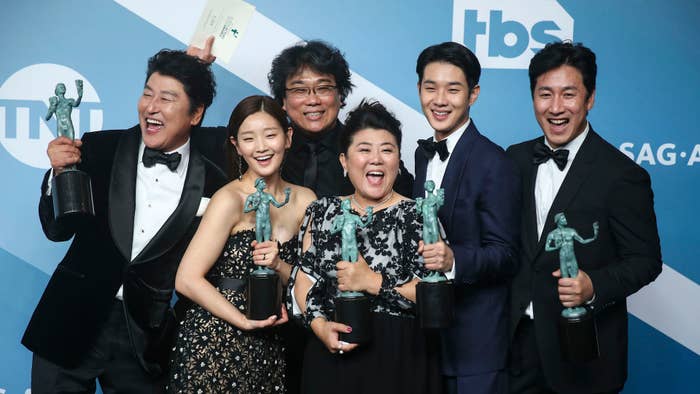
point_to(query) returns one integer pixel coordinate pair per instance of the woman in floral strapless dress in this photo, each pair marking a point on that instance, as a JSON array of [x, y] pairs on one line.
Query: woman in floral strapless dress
[[217, 348]]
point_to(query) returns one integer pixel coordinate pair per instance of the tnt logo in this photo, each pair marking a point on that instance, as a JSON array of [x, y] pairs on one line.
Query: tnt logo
[[24, 101], [507, 33]]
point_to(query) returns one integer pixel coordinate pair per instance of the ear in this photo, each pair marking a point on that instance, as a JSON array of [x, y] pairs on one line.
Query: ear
[[343, 162], [289, 133], [474, 94], [590, 101], [197, 115], [284, 104], [233, 142]]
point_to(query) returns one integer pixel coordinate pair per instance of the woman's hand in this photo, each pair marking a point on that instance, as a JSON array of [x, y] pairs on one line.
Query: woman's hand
[[248, 325], [266, 254], [358, 277], [408, 289], [328, 331]]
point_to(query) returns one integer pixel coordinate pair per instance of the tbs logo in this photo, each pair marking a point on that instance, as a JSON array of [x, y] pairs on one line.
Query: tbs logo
[[24, 101], [507, 33]]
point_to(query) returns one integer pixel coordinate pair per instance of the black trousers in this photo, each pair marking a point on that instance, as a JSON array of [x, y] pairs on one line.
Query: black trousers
[[111, 361], [525, 372]]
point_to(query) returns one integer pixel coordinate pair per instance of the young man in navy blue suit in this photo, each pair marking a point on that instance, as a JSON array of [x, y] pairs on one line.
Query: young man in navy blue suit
[[573, 170], [480, 217]]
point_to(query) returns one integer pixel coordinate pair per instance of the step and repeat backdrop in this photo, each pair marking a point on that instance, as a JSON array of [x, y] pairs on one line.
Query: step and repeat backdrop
[[646, 105]]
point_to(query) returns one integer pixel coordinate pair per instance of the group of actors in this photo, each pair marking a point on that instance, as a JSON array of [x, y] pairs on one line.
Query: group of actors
[[169, 198]]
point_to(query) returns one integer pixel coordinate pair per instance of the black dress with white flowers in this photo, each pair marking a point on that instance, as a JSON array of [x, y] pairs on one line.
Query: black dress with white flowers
[[400, 358], [211, 355]]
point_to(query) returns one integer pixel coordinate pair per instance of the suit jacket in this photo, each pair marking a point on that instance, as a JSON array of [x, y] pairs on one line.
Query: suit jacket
[[602, 185], [80, 293], [481, 217]]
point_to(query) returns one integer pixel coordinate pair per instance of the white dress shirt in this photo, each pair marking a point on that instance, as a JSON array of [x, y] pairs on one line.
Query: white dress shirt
[[158, 192], [436, 172], [547, 184]]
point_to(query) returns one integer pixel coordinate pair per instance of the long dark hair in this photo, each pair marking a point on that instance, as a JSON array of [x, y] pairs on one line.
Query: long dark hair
[[249, 106]]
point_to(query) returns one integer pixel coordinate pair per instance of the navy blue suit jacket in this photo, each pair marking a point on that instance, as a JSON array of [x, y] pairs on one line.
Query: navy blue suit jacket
[[481, 218]]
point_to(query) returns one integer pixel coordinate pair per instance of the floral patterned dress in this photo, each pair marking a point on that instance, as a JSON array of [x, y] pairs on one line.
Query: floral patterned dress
[[213, 356]]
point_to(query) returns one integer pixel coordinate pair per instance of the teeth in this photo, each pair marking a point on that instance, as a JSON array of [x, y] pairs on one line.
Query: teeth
[[558, 121], [153, 121], [438, 113], [375, 173], [262, 158], [313, 114]]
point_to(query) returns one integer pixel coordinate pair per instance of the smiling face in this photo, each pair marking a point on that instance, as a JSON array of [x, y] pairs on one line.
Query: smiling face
[[261, 142], [313, 113], [164, 113], [561, 104], [372, 163], [445, 97]]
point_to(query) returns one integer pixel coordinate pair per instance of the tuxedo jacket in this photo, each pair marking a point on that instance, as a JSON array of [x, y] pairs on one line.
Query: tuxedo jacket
[[603, 186], [80, 293], [481, 218]]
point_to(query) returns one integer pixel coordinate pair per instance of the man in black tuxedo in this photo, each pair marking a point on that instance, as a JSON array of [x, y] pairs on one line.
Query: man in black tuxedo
[[105, 313], [572, 170]]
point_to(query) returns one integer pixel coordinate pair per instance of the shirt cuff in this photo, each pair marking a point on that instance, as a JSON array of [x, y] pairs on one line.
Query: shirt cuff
[[48, 184], [451, 273]]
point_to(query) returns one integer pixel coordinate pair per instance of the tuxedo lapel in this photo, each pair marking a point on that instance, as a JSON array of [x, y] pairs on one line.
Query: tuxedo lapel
[[122, 191], [580, 170], [453, 173], [421, 168], [179, 221], [530, 217]]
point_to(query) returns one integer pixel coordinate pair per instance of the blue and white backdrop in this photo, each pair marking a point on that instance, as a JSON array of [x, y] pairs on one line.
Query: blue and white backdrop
[[646, 104]]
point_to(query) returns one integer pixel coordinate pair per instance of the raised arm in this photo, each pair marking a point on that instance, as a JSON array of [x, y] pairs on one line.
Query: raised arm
[[79, 87], [274, 202]]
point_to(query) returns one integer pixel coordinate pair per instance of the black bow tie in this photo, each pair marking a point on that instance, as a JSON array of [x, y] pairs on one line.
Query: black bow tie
[[543, 153], [429, 147], [152, 156]]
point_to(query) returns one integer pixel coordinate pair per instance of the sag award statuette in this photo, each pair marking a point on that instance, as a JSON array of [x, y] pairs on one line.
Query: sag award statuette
[[264, 286], [352, 307], [577, 330], [71, 189], [434, 293]]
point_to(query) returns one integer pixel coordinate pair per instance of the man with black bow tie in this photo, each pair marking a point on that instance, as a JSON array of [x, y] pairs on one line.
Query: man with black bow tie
[[572, 170], [105, 313], [480, 217]]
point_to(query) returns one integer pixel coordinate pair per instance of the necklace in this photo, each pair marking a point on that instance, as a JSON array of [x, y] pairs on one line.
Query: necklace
[[384, 200]]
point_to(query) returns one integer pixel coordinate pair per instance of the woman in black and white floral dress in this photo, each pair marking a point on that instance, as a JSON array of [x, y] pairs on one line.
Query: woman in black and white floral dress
[[400, 358]]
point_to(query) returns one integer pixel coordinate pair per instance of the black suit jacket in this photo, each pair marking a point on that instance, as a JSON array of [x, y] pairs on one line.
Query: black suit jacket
[[602, 185], [80, 293], [481, 217]]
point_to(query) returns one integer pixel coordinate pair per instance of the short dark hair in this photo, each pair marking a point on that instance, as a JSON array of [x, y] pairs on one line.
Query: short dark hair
[[195, 76], [249, 106], [370, 114], [317, 55], [455, 54], [557, 54]]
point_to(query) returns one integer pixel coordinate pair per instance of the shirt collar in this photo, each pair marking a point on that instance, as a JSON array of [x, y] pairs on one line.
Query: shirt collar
[[574, 145], [183, 150], [452, 139]]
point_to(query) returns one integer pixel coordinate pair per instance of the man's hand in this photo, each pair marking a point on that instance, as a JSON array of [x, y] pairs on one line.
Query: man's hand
[[574, 291], [203, 54], [358, 277], [63, 152], [437, 256]]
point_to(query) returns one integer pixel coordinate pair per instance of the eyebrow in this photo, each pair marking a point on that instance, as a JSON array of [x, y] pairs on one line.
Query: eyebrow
[[317, 82], [450, 83]]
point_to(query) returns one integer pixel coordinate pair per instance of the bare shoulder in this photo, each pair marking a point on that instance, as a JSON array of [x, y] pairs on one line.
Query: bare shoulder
[[303, 195], [227, 200]]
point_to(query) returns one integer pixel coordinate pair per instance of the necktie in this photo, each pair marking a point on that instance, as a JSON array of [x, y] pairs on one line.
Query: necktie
[[152, 157], [429, 147], [543, 153], [311, 170]]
